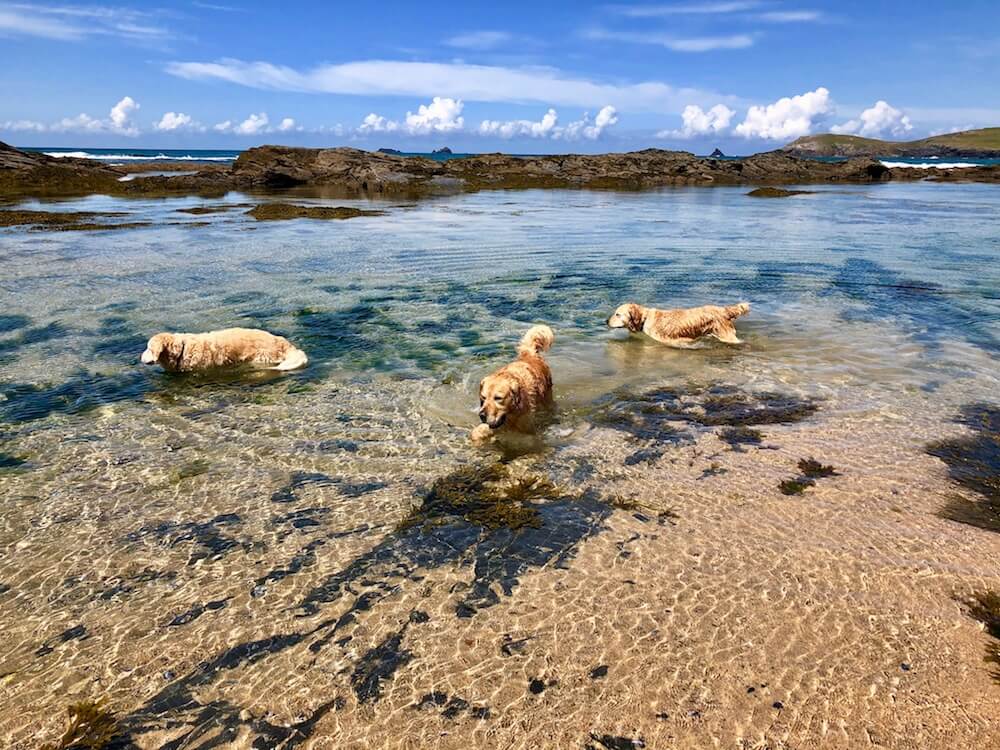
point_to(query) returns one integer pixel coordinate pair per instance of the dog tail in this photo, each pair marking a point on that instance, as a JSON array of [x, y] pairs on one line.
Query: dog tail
[[735, 311], [295, 359], [537, 339]]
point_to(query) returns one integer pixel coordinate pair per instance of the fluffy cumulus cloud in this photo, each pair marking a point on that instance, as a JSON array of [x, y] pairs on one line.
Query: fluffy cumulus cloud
[[176, 121], [257, 123], [520, 128], [879, 120], [118, 121], [442, 115], [789, 117], [548, 126], [697, 121]]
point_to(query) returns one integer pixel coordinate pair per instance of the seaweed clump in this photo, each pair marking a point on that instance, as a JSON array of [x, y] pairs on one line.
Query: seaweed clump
[[64, 221], [813, 469], [656, 414], [283, 211], [90, 725], [974, 463], [985, 607], [484, 496], [809, 471]]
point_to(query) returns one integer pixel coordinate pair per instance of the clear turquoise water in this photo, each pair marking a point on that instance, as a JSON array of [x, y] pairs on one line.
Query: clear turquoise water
[[897, 284], [239, 541]]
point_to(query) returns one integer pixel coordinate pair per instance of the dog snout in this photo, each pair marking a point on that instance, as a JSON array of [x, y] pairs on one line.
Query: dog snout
[[147, 358], [482, 415]]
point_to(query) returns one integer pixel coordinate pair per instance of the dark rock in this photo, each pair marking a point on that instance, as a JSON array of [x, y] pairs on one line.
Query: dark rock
[[284, 211], [717, 154], [536, 686], [778, 705], [443, 150], [597, 672], [773, 192]]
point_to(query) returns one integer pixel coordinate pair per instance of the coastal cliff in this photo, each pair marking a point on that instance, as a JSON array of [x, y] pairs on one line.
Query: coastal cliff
[[351, 171]]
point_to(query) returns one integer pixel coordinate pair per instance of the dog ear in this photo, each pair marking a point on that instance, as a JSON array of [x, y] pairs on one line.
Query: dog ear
[[173, 346], [634, 317], [516, 397]]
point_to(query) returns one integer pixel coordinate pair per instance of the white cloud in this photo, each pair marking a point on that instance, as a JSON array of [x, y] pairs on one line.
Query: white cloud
[[789, 117], [121, 114], [881, 119], [177, 121], [257, 124], [75, 22], [374, 123], [952, 129], [708, 8], [118, 121], [479, 40], [442, 115], [480, 83], [790, 16], [514, 128], [548, 126], [24, 126], [591, 130], [676, 44], [700, 122]]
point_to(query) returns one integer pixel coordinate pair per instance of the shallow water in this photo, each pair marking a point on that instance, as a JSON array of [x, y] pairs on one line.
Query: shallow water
[[209, 531]]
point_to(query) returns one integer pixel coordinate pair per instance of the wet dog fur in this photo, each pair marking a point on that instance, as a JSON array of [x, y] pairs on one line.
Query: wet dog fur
[[510, 397], [186, 352], [683, 327]]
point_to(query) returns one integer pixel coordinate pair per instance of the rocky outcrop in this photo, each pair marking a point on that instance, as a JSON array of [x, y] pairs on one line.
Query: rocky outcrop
[[352, 172], [717, 154], [47, 175], [970, 144]]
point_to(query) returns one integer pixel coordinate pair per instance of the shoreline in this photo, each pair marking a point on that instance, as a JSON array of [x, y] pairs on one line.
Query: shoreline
[[372, 174]]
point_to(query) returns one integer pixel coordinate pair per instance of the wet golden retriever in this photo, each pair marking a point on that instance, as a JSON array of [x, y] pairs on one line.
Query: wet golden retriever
[[185, 352], [510, 397], [681, 328]]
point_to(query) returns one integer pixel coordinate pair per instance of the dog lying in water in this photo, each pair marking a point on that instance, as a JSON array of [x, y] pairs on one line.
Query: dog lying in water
[[185, 352], [510, 397], [681, 328]]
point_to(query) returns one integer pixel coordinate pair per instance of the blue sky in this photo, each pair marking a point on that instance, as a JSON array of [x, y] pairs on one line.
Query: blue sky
[[539, 77]]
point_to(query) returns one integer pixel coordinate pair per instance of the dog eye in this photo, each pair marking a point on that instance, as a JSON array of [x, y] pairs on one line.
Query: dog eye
[[498, 398]]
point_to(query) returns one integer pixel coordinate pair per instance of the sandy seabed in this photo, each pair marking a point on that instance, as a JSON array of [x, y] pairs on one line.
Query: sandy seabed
[[667, 594]]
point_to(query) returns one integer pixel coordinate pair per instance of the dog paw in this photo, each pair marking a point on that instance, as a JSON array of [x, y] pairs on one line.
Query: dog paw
[[481, 433]]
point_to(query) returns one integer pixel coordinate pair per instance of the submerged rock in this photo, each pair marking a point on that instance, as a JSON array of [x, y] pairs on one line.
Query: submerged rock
[[773, 192], [283, 211]]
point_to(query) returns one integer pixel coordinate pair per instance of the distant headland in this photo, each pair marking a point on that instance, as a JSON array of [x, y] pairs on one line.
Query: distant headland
[[968, 144]]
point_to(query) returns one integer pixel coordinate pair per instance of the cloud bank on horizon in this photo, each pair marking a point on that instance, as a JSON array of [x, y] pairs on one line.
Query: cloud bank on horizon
[[588, 74]]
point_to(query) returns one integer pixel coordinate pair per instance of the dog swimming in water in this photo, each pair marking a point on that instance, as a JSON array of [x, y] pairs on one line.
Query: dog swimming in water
[[510, 397], [682, 327], [187, 352]]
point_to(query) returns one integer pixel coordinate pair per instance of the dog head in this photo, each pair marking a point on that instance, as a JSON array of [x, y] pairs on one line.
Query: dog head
[[629, 315], [499, 396], [163, 348]]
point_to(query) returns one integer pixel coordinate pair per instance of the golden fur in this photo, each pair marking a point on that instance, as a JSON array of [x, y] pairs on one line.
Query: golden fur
[[680, 328], [510, 397], [184, 352]]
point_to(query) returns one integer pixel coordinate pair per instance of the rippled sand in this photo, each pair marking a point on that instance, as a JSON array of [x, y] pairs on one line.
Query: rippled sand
[[261, 563]]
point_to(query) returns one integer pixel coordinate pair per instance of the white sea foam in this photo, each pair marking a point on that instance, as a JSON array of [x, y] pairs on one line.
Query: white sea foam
[[939, 165], [133, 157]]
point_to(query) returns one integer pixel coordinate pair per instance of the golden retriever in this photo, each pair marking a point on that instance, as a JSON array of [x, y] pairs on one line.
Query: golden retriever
[[512, 395], [681, 328], [184, 352]]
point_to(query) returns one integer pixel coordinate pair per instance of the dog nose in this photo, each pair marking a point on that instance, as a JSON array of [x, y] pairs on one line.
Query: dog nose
[[482, 415]]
